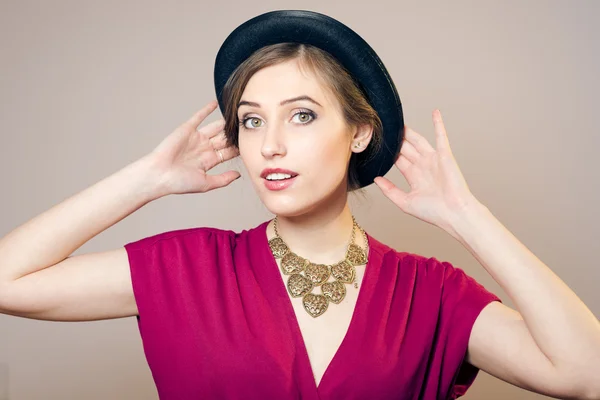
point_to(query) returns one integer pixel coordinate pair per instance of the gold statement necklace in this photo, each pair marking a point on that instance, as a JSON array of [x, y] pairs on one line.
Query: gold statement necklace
[[304, 275]]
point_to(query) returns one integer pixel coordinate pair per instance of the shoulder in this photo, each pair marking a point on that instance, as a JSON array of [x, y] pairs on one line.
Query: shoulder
[[178, 236], [428, 274], [196, 237], [389, 257]]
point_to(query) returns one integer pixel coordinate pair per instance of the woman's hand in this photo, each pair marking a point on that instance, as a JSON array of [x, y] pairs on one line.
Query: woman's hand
[[183, 158], [438, 188]]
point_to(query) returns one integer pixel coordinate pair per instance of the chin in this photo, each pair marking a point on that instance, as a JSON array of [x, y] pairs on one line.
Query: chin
[[288, 206], [297, 203]]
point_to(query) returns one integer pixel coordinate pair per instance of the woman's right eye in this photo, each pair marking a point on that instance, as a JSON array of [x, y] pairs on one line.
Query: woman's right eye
[[253, 121]]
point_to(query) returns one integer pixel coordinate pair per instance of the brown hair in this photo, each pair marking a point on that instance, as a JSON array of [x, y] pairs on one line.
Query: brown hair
[[355, 107]]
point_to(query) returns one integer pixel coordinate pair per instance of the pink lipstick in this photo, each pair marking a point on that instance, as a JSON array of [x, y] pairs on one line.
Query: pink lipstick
[[279, 178]]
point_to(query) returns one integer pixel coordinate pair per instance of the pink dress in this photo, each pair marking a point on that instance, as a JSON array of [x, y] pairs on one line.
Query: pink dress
[[216, 322]]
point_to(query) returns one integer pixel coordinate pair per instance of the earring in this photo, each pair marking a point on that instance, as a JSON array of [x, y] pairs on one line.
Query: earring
[[357, 145]]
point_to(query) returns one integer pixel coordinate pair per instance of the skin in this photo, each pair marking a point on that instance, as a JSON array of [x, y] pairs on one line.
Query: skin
[[317, 148]]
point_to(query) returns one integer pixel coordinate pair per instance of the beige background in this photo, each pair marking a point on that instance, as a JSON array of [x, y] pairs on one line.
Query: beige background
[[88, 87]]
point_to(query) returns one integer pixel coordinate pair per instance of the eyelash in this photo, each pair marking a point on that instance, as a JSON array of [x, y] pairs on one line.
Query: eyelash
[[313, 116]]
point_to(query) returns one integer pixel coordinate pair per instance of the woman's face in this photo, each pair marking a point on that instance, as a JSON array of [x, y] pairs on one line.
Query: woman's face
[[296, 151]]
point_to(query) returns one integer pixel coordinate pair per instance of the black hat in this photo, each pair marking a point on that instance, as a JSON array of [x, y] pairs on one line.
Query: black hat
[[352, 51]]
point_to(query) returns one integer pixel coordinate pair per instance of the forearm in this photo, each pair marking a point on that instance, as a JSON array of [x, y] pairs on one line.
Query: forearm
[[55, 234], [564, 329]]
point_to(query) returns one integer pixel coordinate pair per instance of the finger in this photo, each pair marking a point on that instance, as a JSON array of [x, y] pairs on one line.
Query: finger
[[408, 169], [403, 163], [441, 137], [199, 116], [212, 129], [220, 180], [418, 141], [396, 195], [409, 151], [227, 153], [219, 141]]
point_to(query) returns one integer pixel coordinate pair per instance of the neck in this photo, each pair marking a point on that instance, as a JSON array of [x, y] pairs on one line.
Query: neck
[[321, 237]]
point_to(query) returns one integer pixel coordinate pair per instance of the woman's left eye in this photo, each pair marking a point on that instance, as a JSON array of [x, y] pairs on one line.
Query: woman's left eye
[[305, 116]]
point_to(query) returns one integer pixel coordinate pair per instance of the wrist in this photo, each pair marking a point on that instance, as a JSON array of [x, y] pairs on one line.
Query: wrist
[[149, 176], [465, 217]]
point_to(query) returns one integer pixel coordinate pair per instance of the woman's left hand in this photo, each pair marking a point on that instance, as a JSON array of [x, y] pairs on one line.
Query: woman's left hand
[[438, 189]]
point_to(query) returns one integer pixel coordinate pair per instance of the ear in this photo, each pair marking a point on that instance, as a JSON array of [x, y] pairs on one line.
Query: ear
[[361, 138]]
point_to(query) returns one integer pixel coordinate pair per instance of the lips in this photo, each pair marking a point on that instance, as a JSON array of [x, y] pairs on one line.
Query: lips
[[279, 184], [268, 171]]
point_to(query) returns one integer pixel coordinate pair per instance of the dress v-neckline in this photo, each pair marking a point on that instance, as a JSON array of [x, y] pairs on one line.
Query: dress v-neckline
[[291, 314]]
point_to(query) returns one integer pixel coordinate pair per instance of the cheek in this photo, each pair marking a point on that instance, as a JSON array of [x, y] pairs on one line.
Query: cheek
[[247, 160], [247, 151], [329, 160]]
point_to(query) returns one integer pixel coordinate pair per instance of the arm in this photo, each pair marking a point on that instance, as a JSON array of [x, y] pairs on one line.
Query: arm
[[56, 233], [552, 345], [38, 278]]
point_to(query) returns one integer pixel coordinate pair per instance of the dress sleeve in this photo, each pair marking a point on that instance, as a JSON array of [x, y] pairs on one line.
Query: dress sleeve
[[176, 278], [155, 263], [462, 300], [169, 268]]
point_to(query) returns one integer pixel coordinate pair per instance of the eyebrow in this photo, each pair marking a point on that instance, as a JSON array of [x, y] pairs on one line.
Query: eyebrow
[[284, 102]]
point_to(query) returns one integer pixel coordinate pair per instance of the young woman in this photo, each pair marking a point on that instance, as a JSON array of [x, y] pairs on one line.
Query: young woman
[[307, 305]]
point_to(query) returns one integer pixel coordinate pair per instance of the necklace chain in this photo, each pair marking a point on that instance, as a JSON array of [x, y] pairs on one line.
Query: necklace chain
[[304, 275]]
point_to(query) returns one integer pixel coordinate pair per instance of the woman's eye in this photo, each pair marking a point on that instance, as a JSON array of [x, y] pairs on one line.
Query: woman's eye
[[304, 116], [254, 123]]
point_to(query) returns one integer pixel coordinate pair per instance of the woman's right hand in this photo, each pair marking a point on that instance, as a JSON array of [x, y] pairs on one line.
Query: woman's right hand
[[184, 157]]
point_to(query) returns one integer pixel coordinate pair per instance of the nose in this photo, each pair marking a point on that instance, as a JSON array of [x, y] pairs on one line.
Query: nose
[[273, 142]]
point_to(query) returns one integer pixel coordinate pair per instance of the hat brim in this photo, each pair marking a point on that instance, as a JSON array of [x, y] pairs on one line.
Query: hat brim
[[352, 51]]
